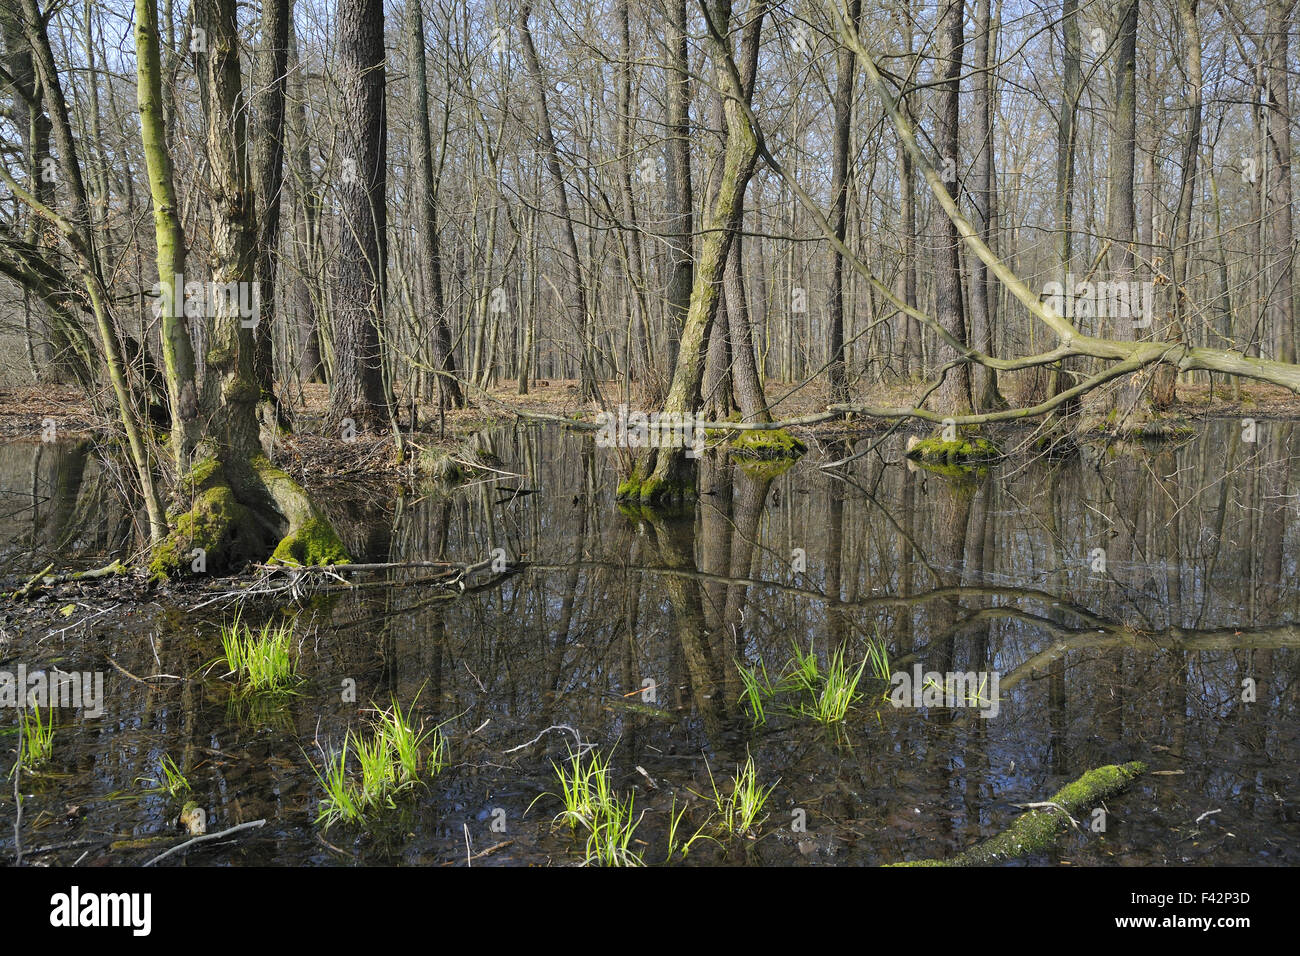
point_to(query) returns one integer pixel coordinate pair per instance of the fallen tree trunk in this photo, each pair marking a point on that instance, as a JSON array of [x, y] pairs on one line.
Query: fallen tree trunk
[[1039, 828]]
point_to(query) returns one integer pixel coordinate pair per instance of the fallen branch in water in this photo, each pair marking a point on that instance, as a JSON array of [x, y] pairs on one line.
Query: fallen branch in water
[[1036, 830], [208, 836]]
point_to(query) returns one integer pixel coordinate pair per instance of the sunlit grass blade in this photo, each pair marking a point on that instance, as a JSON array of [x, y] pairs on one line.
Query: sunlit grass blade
[[37, 737], [758, 690], [172, 781], [740, 809]]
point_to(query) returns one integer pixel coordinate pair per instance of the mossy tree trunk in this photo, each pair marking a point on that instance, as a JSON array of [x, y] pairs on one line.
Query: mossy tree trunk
[[239, 506], [75, 230], [666, 473], [178, 352]]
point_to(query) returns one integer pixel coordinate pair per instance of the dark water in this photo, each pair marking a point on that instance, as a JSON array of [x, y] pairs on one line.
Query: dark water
[[1144, 660]]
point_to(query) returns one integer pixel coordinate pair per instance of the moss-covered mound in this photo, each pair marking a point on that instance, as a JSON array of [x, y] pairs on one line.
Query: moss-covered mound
[[767, 445], [653, 491], [315, 542], [765, 469], [964, 452]]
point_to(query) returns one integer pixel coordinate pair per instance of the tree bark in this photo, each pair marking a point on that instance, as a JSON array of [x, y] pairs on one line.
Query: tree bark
[[358, 390], [444, 360], [270, 77], [679, 198], [1281, 273], [845, 77], [954, 395]]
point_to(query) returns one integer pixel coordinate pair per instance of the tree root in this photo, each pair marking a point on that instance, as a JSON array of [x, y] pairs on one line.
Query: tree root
[[244, 513], [1035, 830]]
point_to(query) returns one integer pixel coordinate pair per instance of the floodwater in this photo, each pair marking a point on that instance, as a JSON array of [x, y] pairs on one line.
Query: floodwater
[[1132, 603]]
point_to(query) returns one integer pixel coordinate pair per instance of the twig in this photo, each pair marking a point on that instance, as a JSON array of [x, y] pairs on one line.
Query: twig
[[582, 748], [482, 853], [1208, 813], [26, 588], [210, 836], [141, 680]]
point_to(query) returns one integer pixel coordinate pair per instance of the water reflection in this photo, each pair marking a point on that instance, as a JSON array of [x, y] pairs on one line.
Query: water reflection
[[1131, 602]]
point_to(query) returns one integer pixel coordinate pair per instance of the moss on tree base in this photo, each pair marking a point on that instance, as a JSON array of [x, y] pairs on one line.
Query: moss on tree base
[[260, 512], [767, 445], [652, 492], [1038, 829], [313, 543]]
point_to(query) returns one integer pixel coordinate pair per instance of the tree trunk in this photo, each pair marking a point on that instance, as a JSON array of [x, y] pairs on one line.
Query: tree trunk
[[1281, 272], [665, 473], [307, 285], [444, 360], [178, 353], [270, 76], [241, 506], [1122, 214], [358, 390], [1164, 391], [1066, 127], [953, 397], [679, 199], [984, 381], [843, 106], [577, 286]]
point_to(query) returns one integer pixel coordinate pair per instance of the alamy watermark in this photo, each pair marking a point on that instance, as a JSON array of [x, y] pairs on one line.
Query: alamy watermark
[[634, 429], [53, 688], [1115, 300], [952, 689], [205, 300]]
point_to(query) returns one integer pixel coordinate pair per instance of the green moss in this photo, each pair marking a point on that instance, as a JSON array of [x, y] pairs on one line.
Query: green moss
[[1037, 830], [630, 487], [767, 445], [315, 542], [213, 523], [722, 433], [201, 475], [961, 453], [765, 470]]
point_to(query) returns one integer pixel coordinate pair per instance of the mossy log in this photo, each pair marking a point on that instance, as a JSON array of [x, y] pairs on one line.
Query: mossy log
[[1038, 829]]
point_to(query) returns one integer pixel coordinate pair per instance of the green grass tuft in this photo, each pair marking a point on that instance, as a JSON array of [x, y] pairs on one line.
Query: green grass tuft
[[264, 660], [740, 810], [37, 737], [393, 758], [172, 781], [591, 804]]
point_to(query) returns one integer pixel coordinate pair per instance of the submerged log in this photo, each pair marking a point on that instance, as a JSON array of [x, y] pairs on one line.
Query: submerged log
[[1039, 829]]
